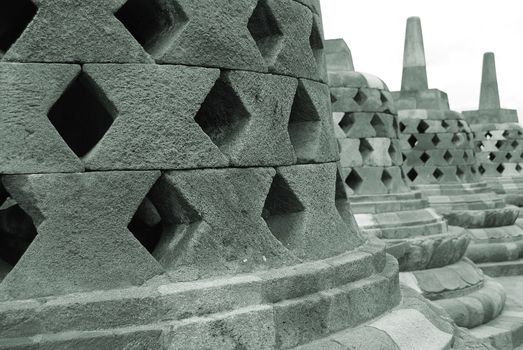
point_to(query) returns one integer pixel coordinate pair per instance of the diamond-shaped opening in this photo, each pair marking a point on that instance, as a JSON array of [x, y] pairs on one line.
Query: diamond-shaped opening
[[455, 139], [365, 149], [265, 31], [347, 122], [283, 212], [153, 23], [435, 140], [488, 135], [445, 125], [459, 173], [514, 144], [447, 156], [520, 133], [465, 156], [383, 97], [392, 152], [413, 141], [15, 16], [222, 115], [402, 127], [506, 133], [500, 169], [304, 124], [491, 156], [424, 157], [164, 222], [82, 115], [146, 225], [518, 168], [395, 125], [404, 157], [378, 125], [17, 232], [342, 201], [386, 179], [438, 174], [499, 144], [422, 127], [460, 124], [316, 41], [481, 146], [508, 156], [412, 174], [360, 97], [354, 181], [481, 169]]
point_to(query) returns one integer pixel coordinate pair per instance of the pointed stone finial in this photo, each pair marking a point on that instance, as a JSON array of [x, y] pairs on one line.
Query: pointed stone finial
[[339, 57], [489, 97], [414, 66]]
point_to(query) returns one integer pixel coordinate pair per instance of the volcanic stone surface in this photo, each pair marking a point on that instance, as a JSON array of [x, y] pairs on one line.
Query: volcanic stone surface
[[168, 181]]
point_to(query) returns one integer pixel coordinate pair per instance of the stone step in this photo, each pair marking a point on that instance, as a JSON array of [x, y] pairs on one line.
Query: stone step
[[506, 331], [504, 268], [286, 324]]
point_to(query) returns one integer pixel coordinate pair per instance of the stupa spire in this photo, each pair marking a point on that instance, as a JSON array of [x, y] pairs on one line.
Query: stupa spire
[[489, 96], [414, 66]]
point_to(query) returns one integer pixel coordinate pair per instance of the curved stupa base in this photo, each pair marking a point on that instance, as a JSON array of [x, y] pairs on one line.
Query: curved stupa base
[[274, 309]]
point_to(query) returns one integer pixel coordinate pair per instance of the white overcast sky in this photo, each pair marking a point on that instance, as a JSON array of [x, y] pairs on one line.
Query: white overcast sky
[[456, 34]]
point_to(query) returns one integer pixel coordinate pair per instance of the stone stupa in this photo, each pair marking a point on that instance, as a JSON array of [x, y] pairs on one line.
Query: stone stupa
[[438, 148], [439, 160], [430, 253], [169, 182], [498, 142]]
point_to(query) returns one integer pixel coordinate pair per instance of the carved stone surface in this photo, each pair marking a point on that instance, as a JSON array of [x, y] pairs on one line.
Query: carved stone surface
[[169, 180], [382, 202]]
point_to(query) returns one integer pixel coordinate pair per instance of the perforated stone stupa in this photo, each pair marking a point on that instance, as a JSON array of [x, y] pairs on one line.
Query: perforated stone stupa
[[498, 140], [430, 253], [168, 176], [438, 148]]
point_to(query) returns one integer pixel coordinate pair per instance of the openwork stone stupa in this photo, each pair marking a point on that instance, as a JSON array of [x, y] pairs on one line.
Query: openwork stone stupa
[[430, 253], [438, 147], [498, 140], [168, 176]]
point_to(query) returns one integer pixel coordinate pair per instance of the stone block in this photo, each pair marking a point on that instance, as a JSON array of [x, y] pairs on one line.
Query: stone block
[[76, 31], [363, 124], [322, 233], [299, 321], [238, 134], [349, 157], [356, 303], [221, 33], [155, 122], [250, 328], [207, 238], [30, 142], [83, 243], [300, 46], [311, 125], [375, 151]]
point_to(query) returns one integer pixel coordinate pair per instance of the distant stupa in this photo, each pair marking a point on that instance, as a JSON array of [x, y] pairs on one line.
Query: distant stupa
[[428, 250]]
